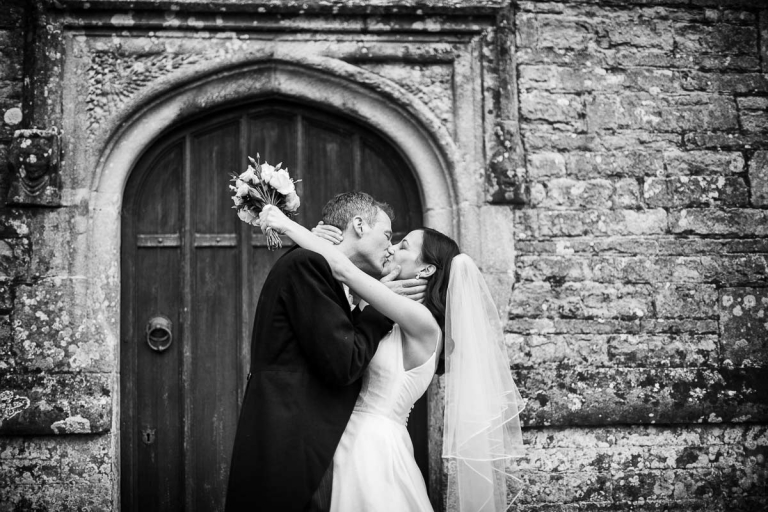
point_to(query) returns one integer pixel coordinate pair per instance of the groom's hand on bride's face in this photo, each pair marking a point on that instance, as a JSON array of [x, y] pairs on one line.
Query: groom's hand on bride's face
[[414, 289]]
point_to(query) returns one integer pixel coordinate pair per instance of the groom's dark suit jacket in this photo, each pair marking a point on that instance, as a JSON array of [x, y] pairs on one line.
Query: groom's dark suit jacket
[[308, 353]]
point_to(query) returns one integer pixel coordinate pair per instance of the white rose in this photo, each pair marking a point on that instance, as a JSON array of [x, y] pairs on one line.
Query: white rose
[[247, 216], [266, 172], [292, 202], [281, 181], [243, 190], [237, 200], [249, 176], [239, 183]]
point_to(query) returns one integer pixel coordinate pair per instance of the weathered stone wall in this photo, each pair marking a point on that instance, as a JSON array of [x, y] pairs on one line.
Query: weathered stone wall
[[631, 150], [638, 319], [12, 21], [55, 373]]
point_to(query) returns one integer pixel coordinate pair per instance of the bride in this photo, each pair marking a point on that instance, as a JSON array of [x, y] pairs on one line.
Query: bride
[[373, 466]]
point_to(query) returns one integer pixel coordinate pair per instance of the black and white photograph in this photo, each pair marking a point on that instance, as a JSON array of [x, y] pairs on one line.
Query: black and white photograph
[[383, 255]]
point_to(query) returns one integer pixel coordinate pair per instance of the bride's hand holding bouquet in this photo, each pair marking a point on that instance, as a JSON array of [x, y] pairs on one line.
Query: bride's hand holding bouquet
[[272, 218], [263, 185]]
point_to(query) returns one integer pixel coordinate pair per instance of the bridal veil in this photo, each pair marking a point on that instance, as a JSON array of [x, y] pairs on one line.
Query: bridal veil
[[482, 404]]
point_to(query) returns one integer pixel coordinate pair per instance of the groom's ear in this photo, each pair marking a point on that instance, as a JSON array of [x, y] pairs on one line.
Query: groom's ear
[[358, 225]]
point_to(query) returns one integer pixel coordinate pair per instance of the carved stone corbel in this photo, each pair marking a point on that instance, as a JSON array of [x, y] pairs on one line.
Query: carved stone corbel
[[34, 159]]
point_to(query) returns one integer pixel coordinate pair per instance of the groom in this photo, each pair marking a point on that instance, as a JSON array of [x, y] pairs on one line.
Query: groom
[[308, 353]]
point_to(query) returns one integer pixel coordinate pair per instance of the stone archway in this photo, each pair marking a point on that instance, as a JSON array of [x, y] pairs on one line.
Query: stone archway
[[409, 128]]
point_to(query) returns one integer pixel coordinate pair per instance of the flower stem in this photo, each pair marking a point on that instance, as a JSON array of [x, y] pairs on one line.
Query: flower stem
[[273, 240]]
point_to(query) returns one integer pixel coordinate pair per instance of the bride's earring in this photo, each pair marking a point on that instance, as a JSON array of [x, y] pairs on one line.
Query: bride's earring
[[418, 274]]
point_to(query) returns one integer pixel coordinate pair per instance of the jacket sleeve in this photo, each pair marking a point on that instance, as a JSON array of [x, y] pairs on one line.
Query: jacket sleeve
[[339, 345]]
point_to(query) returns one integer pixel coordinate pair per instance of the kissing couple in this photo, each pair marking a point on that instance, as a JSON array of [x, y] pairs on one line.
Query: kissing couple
[[322, 424]]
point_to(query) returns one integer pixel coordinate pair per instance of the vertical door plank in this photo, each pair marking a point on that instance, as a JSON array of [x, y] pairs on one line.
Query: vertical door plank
[[129, 470], [329, 167], [150, 412], [215, 319], [214, 369], [385, 173], [245, 252], [187, 333], [215, 155], [272, 134], [159, 394], [158, 208]]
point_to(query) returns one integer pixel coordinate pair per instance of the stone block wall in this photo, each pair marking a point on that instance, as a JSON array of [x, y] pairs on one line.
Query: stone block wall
[[12, 21], [56, 456], [637, 324]]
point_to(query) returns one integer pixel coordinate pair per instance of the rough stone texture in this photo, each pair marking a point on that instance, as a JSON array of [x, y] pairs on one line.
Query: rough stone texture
[[695, 191], [720, 222], [47, 473], [758, 179], [701, 468], [50, 336], [744, 326], [625, 162], [589, 395], [640, 265], [51, 403]]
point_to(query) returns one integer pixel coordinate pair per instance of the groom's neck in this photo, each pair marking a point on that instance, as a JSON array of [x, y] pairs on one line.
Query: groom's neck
[[348, 247]]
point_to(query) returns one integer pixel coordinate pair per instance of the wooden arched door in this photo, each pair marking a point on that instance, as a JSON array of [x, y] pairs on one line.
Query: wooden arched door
[[186, 257]]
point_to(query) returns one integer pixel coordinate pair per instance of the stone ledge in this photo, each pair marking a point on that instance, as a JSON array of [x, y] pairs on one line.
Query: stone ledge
[[601, 302], [598, 396], [583, 300], [719, 269], [49, 460], [543, 223], [634, 490], [678, 505], [577, 80], [57, 497], [45, 404], [610, 326], [295, 6], [704, 221], [655, 437], [686, 191], [563, 351], [671, 245]]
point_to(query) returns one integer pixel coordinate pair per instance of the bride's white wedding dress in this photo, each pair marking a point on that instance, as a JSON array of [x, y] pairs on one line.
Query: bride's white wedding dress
[[373, 467]]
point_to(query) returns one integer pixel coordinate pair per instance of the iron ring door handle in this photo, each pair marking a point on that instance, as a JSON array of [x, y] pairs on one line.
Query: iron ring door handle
[[159, 333]]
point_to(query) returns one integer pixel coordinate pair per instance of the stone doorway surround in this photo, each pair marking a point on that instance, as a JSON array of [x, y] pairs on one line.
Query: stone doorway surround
[[431, 80]]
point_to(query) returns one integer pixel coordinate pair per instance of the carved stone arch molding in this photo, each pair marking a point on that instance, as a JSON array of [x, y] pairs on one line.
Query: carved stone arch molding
[[335, 86]]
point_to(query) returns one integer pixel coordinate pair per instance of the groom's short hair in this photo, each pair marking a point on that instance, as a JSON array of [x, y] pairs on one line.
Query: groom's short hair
[[340, 210]]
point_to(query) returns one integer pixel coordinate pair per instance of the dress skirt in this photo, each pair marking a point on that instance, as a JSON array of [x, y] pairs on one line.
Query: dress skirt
[[374, 468]]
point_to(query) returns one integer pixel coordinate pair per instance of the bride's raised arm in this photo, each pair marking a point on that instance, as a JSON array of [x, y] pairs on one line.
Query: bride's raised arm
[[413, 318]]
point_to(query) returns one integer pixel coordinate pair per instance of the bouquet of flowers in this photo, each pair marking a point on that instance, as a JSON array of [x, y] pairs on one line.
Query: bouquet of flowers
[[260, 185]]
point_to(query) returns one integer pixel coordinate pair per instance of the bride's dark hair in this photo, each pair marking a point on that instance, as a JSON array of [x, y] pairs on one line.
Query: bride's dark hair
[[438, 250]]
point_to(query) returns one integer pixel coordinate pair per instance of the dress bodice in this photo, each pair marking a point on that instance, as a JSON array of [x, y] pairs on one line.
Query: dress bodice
[[388, 389]]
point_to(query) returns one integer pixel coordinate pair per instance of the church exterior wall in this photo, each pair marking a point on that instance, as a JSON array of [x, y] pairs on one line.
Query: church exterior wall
[[606, 163]]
